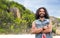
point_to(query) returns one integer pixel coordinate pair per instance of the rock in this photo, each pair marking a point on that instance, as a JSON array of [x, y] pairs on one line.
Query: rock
[[16, 12], [58, 31]]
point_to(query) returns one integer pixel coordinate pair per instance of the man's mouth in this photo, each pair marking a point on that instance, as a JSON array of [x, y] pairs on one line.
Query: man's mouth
[[41, 15]]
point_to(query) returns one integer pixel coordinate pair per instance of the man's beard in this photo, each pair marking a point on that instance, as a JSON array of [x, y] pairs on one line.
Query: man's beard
[[42, 15]]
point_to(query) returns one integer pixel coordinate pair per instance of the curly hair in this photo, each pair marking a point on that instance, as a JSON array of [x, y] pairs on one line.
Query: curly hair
[[37, 13]]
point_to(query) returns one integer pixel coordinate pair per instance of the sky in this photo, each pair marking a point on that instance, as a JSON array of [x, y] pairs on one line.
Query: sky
[[52, 6]]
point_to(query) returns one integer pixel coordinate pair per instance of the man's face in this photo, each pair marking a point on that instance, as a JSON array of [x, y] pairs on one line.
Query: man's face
[[42, 13]]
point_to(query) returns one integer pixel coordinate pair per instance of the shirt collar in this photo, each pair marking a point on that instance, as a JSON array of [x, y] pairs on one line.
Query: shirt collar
[[43, 20]]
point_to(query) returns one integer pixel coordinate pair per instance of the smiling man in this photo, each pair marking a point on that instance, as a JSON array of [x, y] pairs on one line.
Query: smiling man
[[42, 26]]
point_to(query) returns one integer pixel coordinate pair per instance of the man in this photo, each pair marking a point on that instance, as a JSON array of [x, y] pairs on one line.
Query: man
[[42, 26]]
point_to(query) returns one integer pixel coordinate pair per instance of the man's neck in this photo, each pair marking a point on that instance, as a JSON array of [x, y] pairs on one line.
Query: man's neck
[[42, 19]]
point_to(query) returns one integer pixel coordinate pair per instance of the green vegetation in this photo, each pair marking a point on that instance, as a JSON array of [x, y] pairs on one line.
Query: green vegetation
[[58, 19], [54, 30], [9, 23]]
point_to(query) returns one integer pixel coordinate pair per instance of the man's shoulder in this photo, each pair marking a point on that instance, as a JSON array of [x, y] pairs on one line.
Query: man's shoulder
[[47, 20]]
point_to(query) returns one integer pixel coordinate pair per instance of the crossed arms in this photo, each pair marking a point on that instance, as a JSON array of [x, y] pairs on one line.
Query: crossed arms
[[35, 30]]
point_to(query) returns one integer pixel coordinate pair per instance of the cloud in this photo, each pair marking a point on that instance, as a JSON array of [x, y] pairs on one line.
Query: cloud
[[53, 6]]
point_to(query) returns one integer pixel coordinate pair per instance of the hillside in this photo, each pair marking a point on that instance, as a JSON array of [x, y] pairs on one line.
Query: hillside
[[14, 17], [56, 25]]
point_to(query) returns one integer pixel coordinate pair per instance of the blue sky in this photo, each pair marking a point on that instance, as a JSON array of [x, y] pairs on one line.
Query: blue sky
[[52, 6]]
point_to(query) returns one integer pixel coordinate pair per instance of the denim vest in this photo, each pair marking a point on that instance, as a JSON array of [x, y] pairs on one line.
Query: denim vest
[[41, 24]]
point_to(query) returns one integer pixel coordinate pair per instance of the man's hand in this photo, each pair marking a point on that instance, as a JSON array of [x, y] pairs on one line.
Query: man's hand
[[48, 29], [45, 27], [35, 30]]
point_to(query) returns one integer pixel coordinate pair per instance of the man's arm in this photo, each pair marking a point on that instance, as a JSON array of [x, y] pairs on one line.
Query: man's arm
[[35, 30], [49, 28]]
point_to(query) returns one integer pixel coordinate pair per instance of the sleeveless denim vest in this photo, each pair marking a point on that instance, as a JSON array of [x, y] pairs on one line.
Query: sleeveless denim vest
[[41, 24]]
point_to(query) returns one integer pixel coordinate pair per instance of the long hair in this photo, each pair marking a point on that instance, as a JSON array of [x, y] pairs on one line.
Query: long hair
[[46, 13]]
